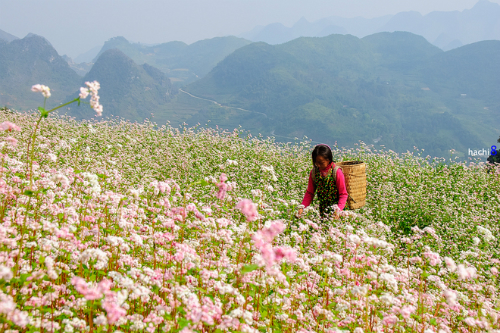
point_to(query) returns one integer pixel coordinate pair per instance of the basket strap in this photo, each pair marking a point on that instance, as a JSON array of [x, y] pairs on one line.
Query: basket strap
[[335, 178], [334, 173]]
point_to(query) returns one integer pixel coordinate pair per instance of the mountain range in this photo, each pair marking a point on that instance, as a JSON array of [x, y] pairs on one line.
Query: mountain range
[[5, 36], [394, 89], [28, 61], [127, 89], [181, 62], [447, 30]]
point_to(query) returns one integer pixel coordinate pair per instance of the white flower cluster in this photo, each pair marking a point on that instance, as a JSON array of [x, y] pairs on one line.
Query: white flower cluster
[[136, 192], [92, 88], [224, 288], [270, 169], [49, 262], [71, 324], [120, 280], [377, 243], [41, 88], [101, 256], [140, 292], [118, 242], [5, 273], [59, 178], [390, 281], [487, 235], [93, 181]]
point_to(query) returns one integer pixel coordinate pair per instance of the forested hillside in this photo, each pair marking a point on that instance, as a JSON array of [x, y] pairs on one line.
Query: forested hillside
[[129, 90], [395, 89], [391, 89], [28, 61]]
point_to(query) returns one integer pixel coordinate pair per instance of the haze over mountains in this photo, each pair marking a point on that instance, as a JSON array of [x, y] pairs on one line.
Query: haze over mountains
[[181, 62], [447, 30], [395, 89], [25, 62]]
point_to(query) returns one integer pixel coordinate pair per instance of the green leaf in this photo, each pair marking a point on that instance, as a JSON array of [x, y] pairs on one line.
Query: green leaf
[[433, 321], [28, 193], [24, 277], [204, 182], [249, 268], [44, 113], [41, 260], [183, 322]]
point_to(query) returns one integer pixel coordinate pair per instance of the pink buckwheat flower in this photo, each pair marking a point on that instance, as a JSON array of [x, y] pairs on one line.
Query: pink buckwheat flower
[[451, 297], [9, 127], [92, 88], [407, 310], [470, 321], [466, 273], [223, 187], [113, 310], [11, 140], [84, 92], [390, 320], [248, 208], [41, 88], [433, 257], [450, 264]]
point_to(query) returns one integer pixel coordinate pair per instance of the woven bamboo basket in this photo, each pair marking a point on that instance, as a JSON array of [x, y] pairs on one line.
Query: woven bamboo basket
[[355, 181]]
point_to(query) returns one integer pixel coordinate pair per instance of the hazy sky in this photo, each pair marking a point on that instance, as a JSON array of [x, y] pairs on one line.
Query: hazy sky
[[75, 26]]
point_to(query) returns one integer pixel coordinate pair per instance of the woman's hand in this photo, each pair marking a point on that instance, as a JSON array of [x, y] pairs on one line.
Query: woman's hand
[[299, 213]]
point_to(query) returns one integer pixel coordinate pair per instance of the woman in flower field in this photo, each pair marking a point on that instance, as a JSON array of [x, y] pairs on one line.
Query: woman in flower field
[[332, 194]]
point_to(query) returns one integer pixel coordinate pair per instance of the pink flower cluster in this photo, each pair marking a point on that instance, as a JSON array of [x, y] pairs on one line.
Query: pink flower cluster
[[113, 309], [92, 88], [90, 293], [9, 127], [248, 208], [41, 88], [8, 307], [222, 187], [192, 208], [263, 241]]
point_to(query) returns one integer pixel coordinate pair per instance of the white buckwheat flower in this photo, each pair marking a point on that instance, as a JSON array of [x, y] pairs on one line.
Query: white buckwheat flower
[[41, 88]]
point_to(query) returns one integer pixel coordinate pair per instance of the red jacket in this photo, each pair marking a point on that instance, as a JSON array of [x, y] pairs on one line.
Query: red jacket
[[340, 186]]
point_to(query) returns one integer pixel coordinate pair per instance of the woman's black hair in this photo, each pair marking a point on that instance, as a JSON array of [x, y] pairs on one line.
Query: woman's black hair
[[323, 151]]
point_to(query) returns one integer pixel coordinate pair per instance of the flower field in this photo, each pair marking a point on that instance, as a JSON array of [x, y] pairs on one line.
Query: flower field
[[127, 227]]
